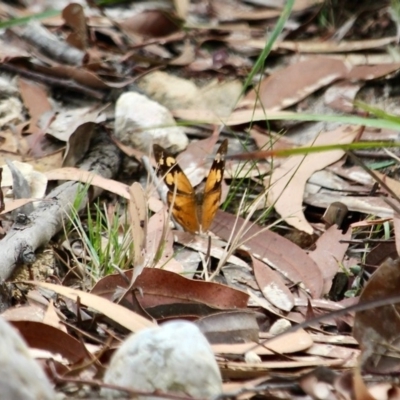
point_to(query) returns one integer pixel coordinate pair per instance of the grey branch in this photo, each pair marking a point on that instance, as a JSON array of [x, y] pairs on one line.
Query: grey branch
[[21, 241], [48, 44]]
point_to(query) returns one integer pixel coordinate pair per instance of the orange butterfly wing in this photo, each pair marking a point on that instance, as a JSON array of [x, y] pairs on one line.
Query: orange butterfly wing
[[194, 212], [183, 202], [213, 188]]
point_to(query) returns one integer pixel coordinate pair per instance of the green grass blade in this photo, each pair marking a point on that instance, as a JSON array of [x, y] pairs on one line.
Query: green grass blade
[[259, 64], [24, 20]]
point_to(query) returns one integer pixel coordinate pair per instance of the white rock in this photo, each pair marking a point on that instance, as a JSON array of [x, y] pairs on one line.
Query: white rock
[[279, 326], [21, 376], [140, 122], [252, 358], [174, 358]]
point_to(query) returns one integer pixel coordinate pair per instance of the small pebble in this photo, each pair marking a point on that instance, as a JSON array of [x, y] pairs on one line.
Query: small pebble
[[280, 326], [252, 358]]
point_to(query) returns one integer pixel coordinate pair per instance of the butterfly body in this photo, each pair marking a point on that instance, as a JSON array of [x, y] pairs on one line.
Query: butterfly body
[[193, 209]]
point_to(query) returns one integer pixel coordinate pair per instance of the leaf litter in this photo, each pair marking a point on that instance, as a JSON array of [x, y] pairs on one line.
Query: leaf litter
[[246, 281]]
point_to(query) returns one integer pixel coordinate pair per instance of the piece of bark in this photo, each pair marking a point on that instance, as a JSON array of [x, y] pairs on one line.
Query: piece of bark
[[20, 243]]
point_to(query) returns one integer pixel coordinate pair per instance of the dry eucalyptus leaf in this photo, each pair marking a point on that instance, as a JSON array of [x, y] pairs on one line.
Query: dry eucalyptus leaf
[[274, 250], [80, 175], [130, 320], [138, 215], [230, 327], [286, 186], [295, 82], [378, 329], [272, 285], [329, 253], [27, 183], [68, 121], [292, 342]]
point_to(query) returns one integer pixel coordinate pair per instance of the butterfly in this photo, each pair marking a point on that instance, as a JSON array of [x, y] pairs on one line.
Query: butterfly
[[193, 209]]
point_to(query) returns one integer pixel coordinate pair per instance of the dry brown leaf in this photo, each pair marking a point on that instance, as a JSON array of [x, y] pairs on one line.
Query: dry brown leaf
[[69, 121], [237, 117], [364, 204], [160, 239], [360, 390], [271, 140], [36, 100], [36, 186], [367, 72], [396, 226], [14, 204], [45, 163], [230, 327], [115, 312], [137, 208], [80, 76], [384, 391], [79, 175], [75, 18], [369, 223], [78, 143], [234, 386], [295, 82], [187, 55], [319, 46], [329, 253], [201, 244], [293, 342], [266, 305], [323, 304], [287, 183], [381, 252], [278, 252], [378, 329], [272, 286], [317, 384], [149, 23], [46, 337], [182, 8], [237, 170], [170, 294], [27, 312], [393, 184], [335, 339], [239, 370], [341, 96], [51, 317], [304, 5], [355, 173], [347, 354], [226, 10]]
